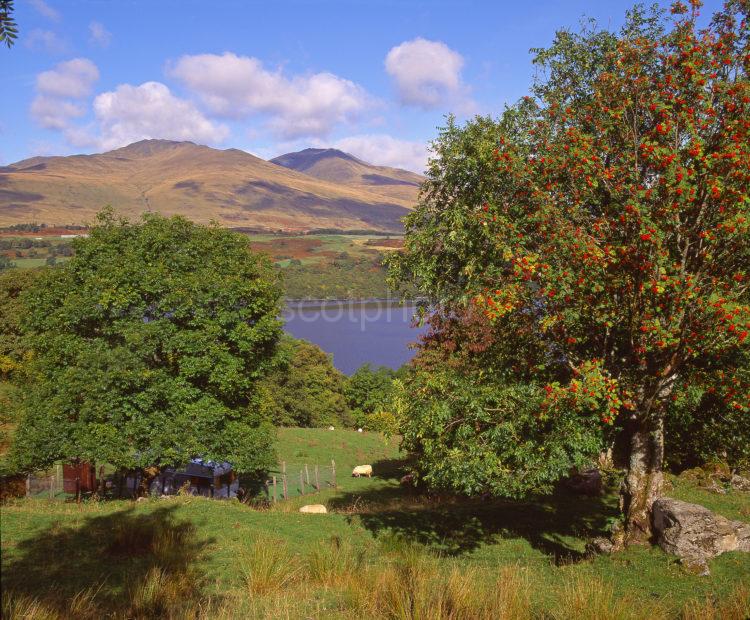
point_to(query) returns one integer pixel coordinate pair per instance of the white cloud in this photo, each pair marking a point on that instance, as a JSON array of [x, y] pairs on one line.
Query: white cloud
[[427, 73], [60, 91], [130, 113], [72, 79], [54, 113], [99, 35], [45, 41], [385, 150], [302, 105], [45, 10]]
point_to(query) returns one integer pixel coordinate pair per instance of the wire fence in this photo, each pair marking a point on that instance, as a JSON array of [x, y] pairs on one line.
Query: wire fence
[[283, 483], [308, 479]]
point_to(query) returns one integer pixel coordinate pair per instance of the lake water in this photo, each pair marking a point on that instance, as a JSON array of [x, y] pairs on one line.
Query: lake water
[[356, 332]]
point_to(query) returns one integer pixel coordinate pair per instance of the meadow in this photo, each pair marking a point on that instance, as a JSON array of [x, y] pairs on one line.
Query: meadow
[[382, 551]]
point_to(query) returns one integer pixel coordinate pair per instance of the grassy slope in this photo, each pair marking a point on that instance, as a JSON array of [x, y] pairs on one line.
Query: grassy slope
[[42, 540]]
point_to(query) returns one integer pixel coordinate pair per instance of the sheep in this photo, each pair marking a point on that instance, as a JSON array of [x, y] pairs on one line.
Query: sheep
[[315, 509], [362, 470]]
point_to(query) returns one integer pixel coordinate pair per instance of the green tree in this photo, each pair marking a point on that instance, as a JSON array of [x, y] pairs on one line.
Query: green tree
[[148, 345], [304, 389], [604, 236], [369, 391], [6, 263], [14, 353]]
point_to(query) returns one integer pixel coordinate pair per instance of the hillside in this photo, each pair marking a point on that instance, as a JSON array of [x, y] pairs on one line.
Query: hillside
[[338, 167], [232, 187]]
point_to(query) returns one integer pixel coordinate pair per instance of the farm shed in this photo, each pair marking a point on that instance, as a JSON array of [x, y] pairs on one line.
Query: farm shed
[[79, 477], [204, 477]]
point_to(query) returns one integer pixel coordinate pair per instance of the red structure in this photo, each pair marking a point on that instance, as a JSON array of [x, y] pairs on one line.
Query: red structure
[[83, 474]]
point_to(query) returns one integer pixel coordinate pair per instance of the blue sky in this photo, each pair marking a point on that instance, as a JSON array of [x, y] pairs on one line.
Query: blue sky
[[373, 78]]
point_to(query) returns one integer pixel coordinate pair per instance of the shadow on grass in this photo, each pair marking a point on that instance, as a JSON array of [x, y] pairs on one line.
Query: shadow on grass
[[134, 564], [555, 524]]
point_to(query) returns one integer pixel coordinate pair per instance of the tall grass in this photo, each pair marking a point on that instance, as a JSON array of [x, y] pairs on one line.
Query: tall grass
[[394, 580]]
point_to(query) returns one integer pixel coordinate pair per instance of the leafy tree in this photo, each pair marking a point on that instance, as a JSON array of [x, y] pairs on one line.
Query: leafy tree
[[8, 26], [369, 390], [304, 389], [6, 263], [148, 345], [14, 353], [604, 236]]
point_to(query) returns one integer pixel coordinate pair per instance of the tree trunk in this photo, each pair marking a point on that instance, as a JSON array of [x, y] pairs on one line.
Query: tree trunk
[[148, 475], [644, 481]]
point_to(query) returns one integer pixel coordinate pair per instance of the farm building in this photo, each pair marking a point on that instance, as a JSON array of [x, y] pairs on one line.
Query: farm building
[[203, 477]]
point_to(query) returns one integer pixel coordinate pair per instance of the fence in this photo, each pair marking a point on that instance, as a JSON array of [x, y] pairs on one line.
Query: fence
[[63, 479], [284, 483], [310, 479]]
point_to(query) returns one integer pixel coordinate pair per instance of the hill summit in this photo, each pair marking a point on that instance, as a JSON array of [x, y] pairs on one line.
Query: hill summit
[[297, 192]]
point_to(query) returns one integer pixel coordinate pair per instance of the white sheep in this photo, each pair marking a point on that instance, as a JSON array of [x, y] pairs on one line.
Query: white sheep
[[362, 470], [315, 509]]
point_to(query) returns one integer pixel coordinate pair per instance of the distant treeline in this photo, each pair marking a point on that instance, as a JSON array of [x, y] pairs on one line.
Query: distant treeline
[[317, 231], [343, 278], [33, 227]]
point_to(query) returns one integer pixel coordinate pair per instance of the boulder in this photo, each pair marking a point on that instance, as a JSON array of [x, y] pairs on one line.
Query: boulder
[[739, 483], [695, 534], [315, 509]]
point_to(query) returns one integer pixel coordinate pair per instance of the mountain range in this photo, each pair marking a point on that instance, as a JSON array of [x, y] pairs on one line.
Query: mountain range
[[297, 192]]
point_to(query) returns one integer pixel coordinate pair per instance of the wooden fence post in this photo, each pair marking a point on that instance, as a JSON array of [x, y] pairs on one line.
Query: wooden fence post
[[317, 479], [307, 475], [274, 490], [301, 482], [283, 481], [28, 485], [333, 472], [52, 487], [268, 491]]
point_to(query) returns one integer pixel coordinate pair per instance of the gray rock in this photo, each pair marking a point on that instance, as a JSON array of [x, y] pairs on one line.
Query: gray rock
[[739, 483], [695, 534]]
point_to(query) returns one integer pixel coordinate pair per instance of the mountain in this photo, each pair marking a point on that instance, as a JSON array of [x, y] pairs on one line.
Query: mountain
[[339, 167], [232, 187]]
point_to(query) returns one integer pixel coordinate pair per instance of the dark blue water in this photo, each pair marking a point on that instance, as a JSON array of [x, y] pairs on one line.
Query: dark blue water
[[377, 332]]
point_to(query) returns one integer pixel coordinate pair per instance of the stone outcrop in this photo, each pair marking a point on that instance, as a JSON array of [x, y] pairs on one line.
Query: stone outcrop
[[695, 534]]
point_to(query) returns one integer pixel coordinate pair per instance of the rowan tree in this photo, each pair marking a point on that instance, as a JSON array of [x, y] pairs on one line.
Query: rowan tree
[[607, 242], [147, 348]]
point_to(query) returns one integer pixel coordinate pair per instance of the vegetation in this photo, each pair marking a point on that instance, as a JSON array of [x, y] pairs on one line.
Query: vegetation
[[8, 26], [148, 346], [304, 389], [372, 395], [600, 228], [381, 552]]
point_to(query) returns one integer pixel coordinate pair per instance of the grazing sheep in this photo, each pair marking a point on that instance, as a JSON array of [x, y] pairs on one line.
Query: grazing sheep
[[314, 509], [330, 428], [359, 430], [362, 470]]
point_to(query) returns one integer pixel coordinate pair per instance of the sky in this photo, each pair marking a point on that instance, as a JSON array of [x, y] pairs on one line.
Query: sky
[[373, 78]]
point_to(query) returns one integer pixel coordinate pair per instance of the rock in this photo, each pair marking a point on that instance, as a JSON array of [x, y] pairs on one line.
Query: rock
[[695, 534], [739, 483], [717, 470], [587, 482], [316, 509], [330, 428], [600, 546]]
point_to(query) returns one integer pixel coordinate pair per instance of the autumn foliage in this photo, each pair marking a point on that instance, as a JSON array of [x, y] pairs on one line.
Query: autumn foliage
[[614, 227]]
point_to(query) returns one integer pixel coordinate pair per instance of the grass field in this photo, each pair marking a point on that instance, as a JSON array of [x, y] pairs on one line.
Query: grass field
[[381, 552]]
